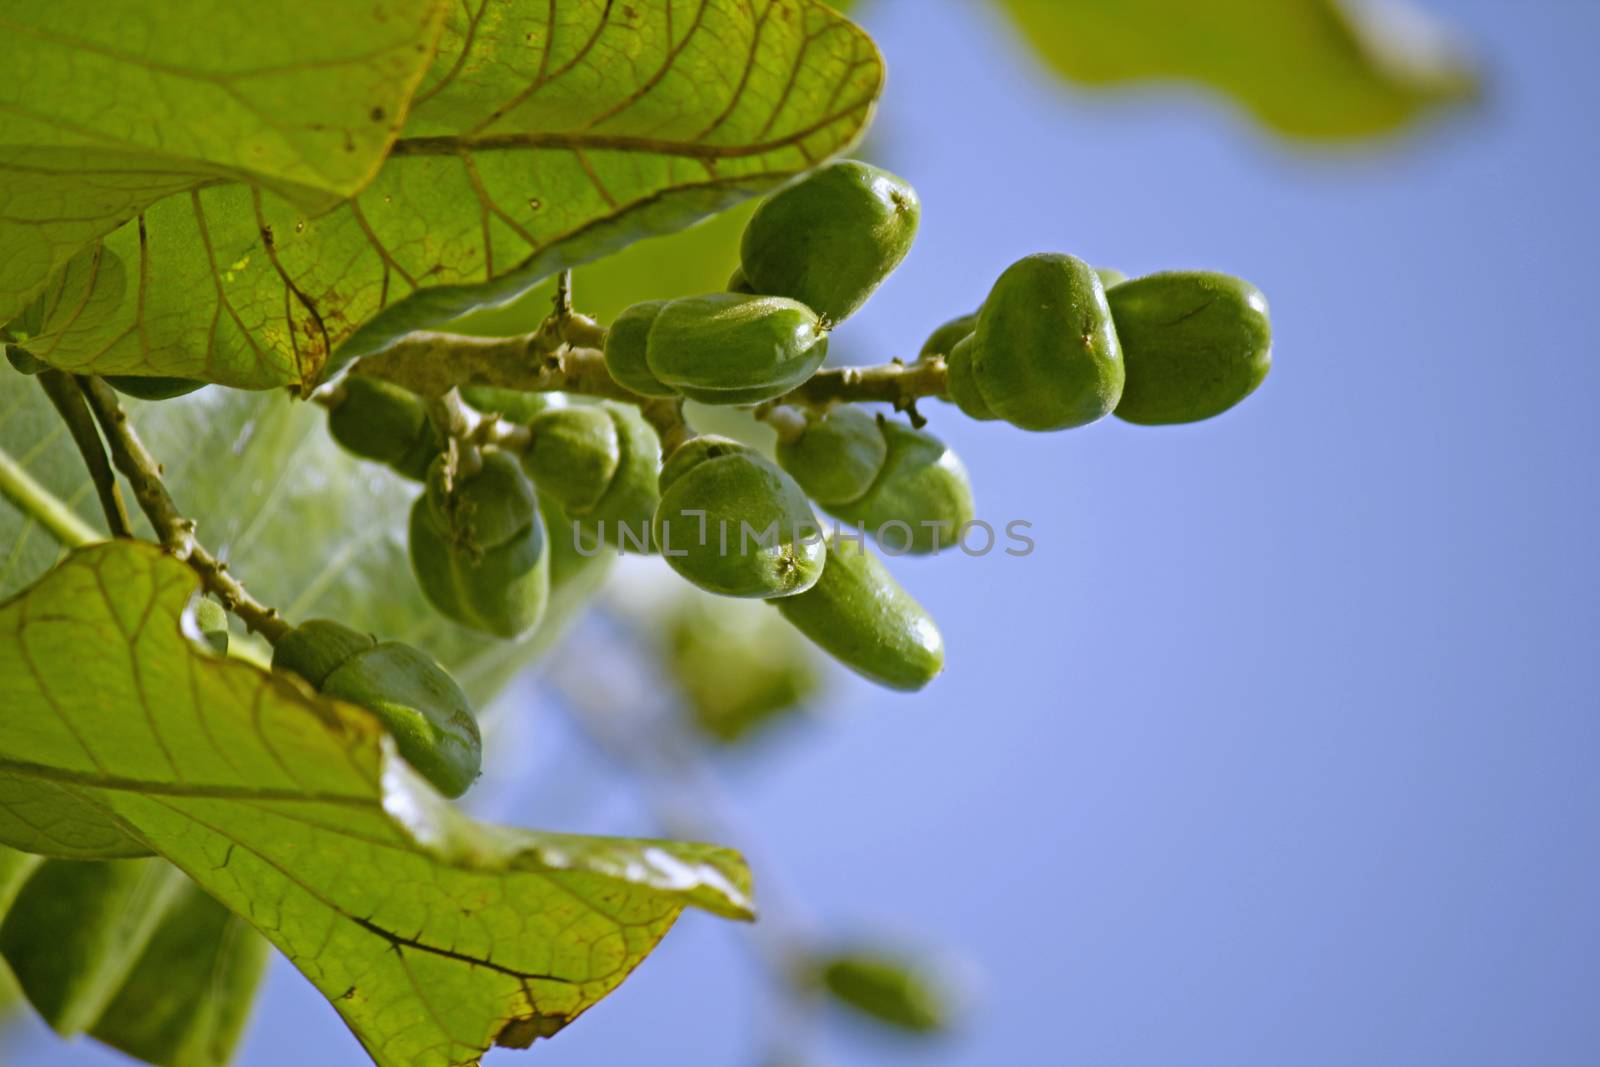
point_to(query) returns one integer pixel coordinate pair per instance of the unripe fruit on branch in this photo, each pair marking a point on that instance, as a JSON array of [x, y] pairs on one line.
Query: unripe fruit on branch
[[941, 341], [1195, 344], [573, 454], [478, 547], [829, 239], [1045, 354], [621, 513], [921, 499], [212, 622], [961, 381], [861, 616], [734, 524], [626, 350], [727, 348], [380, 421], [1110, 276], [142, 387], [837, 457], [513, 405], [416, 700]]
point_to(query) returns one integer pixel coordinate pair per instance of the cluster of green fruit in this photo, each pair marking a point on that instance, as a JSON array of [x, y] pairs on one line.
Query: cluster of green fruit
[[1056, 344]]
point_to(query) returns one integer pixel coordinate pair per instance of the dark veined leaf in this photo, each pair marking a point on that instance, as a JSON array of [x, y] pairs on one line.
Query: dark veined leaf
[[1318, 69], [102, 116], [434, 936], [543, 136]]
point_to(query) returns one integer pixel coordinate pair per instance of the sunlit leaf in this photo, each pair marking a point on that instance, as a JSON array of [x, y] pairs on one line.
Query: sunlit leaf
[[434, 936], [544, 135], [105, 111]]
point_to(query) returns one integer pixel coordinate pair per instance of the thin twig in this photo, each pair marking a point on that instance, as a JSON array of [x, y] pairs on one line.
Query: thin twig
[[666, 415], [896, 383], [65, 393], [431, 364], [175, 532], [563, 299], [788, 421], [455, 423]]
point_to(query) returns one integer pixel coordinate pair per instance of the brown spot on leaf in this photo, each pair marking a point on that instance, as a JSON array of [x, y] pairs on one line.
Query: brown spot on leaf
[[521, 1033]]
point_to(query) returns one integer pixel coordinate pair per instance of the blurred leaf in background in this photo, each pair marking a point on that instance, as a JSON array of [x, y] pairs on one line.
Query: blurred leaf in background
[[738, 666], [889, 988], [1308, 69]]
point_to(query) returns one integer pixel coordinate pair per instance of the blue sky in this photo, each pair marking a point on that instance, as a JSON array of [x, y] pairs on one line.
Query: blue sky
[[1281, 747]]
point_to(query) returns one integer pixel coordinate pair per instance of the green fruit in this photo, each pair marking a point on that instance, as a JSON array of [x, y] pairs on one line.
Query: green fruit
[[1046, 355], [316, 647], [381, 421], [1110, 276], [831, 238], [695, 451], [891, 991], [626, 344], [415, 698], [1195, 343], [728, 348], [942, 342], [838, 457], [573, 455], [861, 616], [212, 622], [152, 388], [513, 405], [734, 524], [422, 706], [622, 515], [921, 499], [738, 283], [479, 549], [961, 383]]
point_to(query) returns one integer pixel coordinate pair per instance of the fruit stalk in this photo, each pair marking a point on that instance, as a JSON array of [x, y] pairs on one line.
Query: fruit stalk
[[896, 383], [430, 364], [175, 531], [65, 393]]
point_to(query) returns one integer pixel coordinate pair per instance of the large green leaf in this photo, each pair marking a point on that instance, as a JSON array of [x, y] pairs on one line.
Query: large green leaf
[[434, 936], [76, 929], [545, 135], [1307, 68], [102, 113], [186, 1000]]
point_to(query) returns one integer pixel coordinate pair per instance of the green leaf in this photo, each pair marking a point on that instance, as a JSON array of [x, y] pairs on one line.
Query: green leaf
[[76, 929], [187, 999], [1313, 69], [51, 821], [101, 117], [434, 936], [545, 135], [888, 989]]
